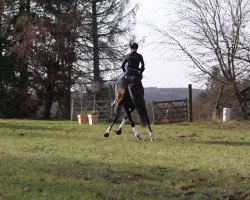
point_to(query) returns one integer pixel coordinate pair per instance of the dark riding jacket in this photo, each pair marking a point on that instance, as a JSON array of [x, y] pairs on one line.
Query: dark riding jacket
[[133, 59]]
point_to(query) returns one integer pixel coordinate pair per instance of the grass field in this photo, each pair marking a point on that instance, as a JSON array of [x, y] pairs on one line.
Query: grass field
[[64, 160]]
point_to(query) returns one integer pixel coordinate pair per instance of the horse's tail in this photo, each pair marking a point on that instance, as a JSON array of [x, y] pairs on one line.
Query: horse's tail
[[139, 102]]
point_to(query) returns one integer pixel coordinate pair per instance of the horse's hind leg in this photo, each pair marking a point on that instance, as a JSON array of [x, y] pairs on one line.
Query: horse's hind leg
[[151, 135], [137, 134]]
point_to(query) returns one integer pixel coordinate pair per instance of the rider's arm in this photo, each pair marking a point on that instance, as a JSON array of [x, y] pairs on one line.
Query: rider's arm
[[124, 63], [142, 65]]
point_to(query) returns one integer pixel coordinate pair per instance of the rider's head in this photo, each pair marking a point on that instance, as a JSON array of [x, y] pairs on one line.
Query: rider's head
[[134, 46]]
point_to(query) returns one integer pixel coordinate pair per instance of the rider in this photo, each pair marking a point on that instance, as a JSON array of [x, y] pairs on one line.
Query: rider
[[132, 73], [133, 59]]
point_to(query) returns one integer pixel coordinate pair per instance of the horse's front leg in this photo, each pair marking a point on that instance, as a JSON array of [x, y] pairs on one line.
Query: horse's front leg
[[106, 134], [119, 131], [130, 110]]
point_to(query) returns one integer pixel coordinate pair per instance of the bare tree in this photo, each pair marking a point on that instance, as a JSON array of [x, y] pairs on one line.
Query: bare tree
[[213, 34]]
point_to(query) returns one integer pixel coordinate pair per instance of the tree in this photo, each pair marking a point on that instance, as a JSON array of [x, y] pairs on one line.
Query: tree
[[212, 33], [109, 25], [57, 33], [15, 20], [46, 45]]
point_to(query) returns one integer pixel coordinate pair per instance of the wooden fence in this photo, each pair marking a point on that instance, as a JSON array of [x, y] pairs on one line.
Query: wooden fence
[[102, 106], [163, 111]]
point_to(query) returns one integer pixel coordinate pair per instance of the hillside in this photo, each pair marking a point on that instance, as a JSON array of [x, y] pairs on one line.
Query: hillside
[[163, 94]]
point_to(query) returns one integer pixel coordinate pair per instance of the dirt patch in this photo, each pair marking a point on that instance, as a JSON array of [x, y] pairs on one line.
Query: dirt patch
[[118, 177]]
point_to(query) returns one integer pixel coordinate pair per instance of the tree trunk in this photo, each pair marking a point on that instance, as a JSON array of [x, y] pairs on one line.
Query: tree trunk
[[49, 89], [67, 94], [23, 90], [96, 69], [241, 101], [216, 111], [23, 94], [28, 5], [48, 102], [1, 38]]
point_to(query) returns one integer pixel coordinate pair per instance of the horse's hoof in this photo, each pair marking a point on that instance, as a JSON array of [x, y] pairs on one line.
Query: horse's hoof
[[119, 132], [152, 139], [138, 138], [106, 135]]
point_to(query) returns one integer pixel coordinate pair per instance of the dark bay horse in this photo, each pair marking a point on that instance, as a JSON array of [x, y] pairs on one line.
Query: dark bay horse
[[129, 93]]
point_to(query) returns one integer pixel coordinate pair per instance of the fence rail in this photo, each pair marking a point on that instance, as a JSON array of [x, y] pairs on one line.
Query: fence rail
[[163, 111], [170, 111], [102, 106], [173, 110]]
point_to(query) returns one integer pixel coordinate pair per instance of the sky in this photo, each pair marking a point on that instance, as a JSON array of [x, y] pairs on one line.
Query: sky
[[159, 71]]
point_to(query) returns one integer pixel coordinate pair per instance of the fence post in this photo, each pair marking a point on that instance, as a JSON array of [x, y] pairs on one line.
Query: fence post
[[111, 109], [72, 109], [190, 102]]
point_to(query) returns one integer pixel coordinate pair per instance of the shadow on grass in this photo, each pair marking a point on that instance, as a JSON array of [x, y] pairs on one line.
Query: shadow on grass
[[92, 179], [226, 143], [59, 131], [24, 127]]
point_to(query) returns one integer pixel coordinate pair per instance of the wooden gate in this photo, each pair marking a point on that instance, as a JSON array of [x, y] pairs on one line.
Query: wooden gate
[[170, 111], [174, 110]]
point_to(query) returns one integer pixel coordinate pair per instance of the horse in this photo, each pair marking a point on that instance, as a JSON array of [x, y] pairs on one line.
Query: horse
[[129, 94]]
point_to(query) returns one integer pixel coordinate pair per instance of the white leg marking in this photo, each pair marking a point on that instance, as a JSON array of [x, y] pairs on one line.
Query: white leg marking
[[108, 129], [151, 136], [137, 134], [122, 124]]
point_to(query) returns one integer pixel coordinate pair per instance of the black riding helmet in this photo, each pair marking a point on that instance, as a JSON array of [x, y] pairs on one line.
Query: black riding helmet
[[134, 46]]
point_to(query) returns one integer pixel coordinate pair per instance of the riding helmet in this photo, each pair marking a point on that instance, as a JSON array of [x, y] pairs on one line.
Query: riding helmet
[[134, 46]]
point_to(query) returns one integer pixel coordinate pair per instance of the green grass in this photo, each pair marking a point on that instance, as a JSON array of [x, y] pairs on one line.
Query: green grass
[[64, 160]]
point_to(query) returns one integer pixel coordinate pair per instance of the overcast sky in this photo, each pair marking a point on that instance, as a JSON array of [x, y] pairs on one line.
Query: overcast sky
[[159, 71]]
